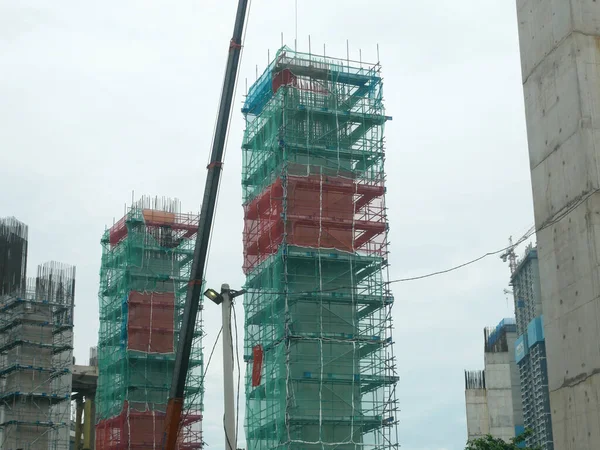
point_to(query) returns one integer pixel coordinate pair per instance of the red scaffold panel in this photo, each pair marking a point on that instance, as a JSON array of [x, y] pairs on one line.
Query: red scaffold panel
[[150, 322], [142, 430], [320, 212], [117, 232], [284, 77], [257, 360], [185, 224]]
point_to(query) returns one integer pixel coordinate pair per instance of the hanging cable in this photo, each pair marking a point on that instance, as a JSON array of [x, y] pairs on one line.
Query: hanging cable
[[523, 238], [228, 128], [204, 373]]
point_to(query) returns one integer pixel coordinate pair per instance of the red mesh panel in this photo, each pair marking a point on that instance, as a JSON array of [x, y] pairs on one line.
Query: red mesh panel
[[143, 430], [283, 78], [321, 212], [257, 360], [185, 225], [150, 322], [117, 232]]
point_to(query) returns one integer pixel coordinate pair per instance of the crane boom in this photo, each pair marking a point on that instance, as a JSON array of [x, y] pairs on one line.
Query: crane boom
[[194, 290]]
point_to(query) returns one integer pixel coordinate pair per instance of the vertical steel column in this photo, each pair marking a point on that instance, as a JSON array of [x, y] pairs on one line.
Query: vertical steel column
[[78, 424], [88, 424]]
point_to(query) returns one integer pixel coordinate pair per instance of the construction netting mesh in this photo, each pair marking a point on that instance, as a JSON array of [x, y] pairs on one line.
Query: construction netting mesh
[[36, 354], [318, 346], [146, 263]]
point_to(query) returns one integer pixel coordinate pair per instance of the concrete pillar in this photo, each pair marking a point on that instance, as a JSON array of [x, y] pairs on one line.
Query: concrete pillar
[[478, 420], [89, 425], [78, 423], [560, 60]]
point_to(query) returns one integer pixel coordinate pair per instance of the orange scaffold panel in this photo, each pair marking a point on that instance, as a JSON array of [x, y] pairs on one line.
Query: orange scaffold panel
[[142, 430], [150, 322], [187, 224]]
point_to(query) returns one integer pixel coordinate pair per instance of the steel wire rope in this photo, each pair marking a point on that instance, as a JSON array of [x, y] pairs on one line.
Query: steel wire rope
[[532, 230], [204, 373], [570, 208], [468, 263], [228, 127]]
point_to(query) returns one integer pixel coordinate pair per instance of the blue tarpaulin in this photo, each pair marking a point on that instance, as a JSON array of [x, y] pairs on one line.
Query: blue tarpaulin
[[521, 348], [535, 331]]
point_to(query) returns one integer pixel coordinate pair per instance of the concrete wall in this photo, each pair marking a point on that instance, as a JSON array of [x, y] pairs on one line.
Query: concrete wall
[[478, 423], [504, 407], [560, 58]]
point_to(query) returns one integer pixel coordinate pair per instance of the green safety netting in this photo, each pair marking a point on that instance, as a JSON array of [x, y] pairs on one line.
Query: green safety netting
[[146, 263], [320, 365]]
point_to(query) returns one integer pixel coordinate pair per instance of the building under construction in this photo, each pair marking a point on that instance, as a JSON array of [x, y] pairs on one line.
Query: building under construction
[[145, 270], [493, 395], [530, 350], [36, 353], [321, 370]]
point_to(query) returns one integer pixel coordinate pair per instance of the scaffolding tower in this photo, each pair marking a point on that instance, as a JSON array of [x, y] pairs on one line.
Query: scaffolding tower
[[145, 270], [36, 352], [318, 344]]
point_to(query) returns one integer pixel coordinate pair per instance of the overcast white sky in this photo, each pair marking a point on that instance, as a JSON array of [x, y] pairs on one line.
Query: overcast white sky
[[101, 98]]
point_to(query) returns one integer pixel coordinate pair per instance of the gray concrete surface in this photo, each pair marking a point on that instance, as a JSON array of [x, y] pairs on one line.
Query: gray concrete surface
[[478, 423], [560, 58]]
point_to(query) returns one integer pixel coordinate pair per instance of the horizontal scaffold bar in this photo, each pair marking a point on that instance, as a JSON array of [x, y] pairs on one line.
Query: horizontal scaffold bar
[[362, 423], [366, 383], [277, 303]]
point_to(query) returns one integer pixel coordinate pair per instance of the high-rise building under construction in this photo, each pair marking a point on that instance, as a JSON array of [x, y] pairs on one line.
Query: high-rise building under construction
[[36, 347], [493, 395], [146, 263], [321, 370], [530, 350]]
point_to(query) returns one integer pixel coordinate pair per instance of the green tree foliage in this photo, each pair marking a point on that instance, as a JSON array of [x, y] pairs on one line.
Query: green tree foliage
[[491, 443]]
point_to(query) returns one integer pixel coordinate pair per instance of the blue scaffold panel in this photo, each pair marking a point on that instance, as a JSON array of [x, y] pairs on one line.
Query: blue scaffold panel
[[519, 430], [535, 331], [260, 94], [508, 323], [521, 348]]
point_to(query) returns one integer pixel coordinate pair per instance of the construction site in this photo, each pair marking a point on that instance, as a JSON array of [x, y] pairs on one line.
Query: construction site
[[319, 368], [320, 364]]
